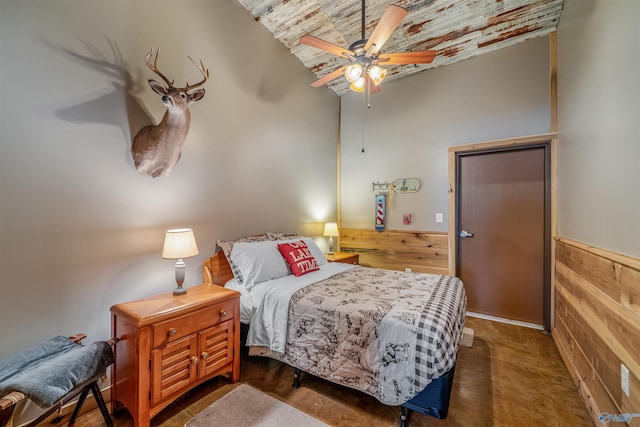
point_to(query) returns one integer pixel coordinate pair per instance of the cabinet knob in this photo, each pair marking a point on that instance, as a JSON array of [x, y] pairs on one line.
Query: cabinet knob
[[194, 360], [205, 355], [173, 331], [223, 313]]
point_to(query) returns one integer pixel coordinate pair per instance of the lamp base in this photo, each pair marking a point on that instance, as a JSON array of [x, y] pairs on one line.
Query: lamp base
[[330, 245], [179, 291], [180, 278]]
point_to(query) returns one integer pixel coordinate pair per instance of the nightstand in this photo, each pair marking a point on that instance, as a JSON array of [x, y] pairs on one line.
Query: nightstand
[[169, 344], [343, 257]]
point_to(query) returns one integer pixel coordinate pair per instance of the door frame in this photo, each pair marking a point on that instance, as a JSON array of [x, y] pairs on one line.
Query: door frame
[[548, 140]]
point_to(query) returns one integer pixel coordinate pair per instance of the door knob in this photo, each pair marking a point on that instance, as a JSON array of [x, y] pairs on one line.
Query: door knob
[[464, 234]]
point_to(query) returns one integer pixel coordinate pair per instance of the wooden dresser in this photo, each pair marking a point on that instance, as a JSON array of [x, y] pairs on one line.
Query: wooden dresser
[[344, 257], [169, 344]]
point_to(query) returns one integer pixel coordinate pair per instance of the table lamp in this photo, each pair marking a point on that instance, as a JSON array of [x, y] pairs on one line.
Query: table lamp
[[178, 244], [331, 230]]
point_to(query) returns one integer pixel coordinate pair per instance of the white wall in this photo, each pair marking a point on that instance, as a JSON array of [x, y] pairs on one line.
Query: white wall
[[80, 228], [413, 121], [599, 124]]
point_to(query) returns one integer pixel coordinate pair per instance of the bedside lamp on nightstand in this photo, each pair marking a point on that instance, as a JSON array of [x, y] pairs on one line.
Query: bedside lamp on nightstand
[[331, 230], [178, 244]]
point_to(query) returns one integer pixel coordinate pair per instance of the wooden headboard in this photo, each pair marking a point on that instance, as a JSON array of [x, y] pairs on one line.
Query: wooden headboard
[[216, 270]]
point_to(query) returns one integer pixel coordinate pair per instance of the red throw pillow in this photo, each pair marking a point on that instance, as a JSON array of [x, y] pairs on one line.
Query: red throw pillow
[[298, 257]]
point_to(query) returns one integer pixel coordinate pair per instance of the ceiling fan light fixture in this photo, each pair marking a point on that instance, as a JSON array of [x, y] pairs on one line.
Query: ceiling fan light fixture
[[358, 85], [377, 74], [353, 72]]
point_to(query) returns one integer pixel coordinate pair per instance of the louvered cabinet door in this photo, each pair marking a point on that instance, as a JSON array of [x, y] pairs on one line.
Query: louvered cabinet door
[[216, 348], [173, 368]]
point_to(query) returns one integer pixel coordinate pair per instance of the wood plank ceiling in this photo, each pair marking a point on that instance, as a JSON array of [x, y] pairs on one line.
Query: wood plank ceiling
[[457, 29]]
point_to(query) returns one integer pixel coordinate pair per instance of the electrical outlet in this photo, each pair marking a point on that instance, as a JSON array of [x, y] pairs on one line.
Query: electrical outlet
[[624, 379], [439, 217]]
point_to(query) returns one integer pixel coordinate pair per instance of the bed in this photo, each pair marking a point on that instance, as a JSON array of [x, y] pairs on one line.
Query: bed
[[390, 334]]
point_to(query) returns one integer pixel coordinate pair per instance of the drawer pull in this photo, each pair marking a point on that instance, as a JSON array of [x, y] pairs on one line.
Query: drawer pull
[[194, 360], [223, 313], [205, 355], [173, 331]]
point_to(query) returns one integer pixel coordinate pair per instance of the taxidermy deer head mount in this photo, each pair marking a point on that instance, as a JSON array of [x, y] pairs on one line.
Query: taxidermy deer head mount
[[156, 149]]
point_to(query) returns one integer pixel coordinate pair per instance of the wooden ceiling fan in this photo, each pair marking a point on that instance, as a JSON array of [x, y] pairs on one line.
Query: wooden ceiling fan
[[365, 57]]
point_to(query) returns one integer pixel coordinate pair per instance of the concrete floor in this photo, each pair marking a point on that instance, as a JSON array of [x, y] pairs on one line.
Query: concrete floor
[[512, 376]]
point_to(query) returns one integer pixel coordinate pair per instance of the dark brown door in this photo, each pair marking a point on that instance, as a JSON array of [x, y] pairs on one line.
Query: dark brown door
[[502, 213]]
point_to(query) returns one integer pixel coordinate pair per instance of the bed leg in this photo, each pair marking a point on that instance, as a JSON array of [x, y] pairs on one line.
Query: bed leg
[[403, 416], [296, 378]]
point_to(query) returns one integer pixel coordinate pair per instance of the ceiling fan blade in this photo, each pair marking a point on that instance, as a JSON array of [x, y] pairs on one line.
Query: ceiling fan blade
[[312, 41], [401, 58], [390, 20], [328, 77]]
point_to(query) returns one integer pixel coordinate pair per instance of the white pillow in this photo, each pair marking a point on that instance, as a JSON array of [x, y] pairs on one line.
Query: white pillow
[[315, 250], [261, 261]]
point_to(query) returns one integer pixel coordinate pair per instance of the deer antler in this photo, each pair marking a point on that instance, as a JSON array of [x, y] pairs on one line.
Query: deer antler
[[153, 66], [204, 71]]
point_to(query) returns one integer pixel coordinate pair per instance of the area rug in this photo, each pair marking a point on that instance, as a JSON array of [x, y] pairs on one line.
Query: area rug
[[245, 406]]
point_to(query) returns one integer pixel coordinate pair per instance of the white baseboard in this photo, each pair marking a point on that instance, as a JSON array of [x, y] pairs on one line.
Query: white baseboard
[[503, 320]]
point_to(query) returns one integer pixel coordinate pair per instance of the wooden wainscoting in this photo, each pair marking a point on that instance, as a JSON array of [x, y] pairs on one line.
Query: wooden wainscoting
[[422, 251], [597, 325]]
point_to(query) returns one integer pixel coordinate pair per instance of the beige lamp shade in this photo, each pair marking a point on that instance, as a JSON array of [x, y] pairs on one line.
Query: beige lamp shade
[[179, 243], [331, 229]]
